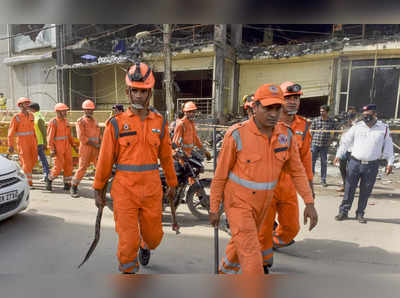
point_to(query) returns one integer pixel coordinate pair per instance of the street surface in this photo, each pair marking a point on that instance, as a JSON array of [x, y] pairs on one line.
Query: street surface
[[51, 237]]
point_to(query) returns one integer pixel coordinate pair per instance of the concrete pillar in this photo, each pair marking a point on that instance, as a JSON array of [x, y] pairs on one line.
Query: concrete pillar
[[219, 44]]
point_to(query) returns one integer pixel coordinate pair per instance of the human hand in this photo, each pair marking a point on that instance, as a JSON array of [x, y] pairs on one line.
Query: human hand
[[389, 170], [310, 212], [214, 219]]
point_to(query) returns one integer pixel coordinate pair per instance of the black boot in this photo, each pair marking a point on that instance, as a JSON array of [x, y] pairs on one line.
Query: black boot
[[266, 269], [341, 216], [361, 219], [144, 256], [67, 186], [48, 184], [74, 191]]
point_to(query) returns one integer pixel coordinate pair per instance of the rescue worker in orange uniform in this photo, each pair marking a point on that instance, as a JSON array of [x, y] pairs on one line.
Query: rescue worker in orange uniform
[[134, 141], [285, 202], [88, 132], [247, 102], [185, 135], [22, 126], [60, 141], [250, 163]]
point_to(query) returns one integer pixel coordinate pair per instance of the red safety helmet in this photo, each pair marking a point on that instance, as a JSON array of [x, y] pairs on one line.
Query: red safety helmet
[[88, 105], [189, 106], [139, 75], [22, 100], [290, 88], [61, 107]]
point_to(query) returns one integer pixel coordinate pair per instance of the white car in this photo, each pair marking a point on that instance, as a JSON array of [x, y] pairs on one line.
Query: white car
[[14, 188]]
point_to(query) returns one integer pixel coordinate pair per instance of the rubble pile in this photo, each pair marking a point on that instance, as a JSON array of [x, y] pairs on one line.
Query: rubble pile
[[275, 51]]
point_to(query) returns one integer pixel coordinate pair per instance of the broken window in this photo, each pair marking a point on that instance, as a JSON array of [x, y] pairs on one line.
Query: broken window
[[371, 82], [33, 36]]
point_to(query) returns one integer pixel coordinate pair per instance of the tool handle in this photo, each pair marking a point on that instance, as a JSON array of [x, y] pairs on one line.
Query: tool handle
[[216, 250]]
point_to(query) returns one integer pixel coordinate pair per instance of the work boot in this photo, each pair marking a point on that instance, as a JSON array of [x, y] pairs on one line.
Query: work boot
[[341, 216], [144, 256], [48, 185], [67, 186], [74, 191], [266, 269], [361, 219]]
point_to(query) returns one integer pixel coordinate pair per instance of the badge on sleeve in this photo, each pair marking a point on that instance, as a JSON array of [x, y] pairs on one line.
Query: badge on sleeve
[[155, 130], [282, 139], [126, 126]]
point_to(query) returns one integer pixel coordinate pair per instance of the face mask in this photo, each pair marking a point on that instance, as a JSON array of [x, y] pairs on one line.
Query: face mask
[[367, 118]]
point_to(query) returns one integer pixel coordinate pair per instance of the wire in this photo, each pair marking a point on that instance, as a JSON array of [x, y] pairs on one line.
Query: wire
[[286, 30]]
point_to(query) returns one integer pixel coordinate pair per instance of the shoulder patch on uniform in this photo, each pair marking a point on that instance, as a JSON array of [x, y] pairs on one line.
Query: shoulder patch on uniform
[[235, 127]]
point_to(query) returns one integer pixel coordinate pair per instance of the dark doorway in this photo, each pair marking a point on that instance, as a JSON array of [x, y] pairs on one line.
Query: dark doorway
[[309, 107], [187, 84]]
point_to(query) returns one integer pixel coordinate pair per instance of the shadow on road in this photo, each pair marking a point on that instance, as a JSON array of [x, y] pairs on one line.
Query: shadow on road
[[350, 254]]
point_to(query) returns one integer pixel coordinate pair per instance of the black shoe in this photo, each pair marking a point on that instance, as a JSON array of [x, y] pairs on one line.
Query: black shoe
[[48, 185], [341, 216], [266, 269], [144, 256], [276, 246], [275, 226], [323, 183], [74, 191], [67, 186], [361, 219]]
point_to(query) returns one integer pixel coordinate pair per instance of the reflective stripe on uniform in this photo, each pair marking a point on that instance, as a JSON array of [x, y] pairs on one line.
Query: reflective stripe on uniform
[[251, 184], [60, 138], [305, 130], [137, 168], [229, 264], [278, 239], [93, 139], [269, 261], [267, 252], [187, 145], [238, 140], [134, 264], [116, 128], [26, 133]]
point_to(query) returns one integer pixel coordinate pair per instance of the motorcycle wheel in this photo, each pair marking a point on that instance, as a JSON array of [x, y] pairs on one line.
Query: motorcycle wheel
[[193, 201]]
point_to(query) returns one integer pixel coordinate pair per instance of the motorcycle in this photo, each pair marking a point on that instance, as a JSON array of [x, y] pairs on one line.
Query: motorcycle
[[188, 170]]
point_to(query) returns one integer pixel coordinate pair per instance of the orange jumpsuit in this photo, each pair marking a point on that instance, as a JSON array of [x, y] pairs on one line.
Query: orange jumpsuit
[[248, 170], [135, 146], [59, 139], [22, 126], [185, 135], [87, 130], [284, 201]]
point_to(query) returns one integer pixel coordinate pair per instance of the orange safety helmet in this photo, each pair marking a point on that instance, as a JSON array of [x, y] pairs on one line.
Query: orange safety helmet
[[88, 105], [269, 94], [290, 88], [61, 107], [189, 106], [139, 75], [22, 100], [247, 101]]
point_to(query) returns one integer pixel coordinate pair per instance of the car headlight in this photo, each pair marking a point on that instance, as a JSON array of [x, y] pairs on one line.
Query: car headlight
[[20, 172]]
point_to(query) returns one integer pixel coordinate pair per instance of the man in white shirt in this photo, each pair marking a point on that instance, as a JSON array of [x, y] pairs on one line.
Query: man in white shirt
[[369, 141]]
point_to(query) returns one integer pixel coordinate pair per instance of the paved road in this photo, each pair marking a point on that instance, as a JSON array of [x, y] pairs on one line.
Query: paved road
[[51, 237]]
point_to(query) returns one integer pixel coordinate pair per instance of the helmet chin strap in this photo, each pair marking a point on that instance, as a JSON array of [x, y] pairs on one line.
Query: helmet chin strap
[[137, 106]]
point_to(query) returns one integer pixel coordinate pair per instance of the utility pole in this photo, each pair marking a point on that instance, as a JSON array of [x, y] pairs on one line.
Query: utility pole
[[168, 80], [60, 61], [220, 44]]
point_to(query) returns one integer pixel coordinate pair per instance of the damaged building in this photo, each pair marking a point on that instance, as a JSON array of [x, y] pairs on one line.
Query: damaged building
[[216, 65]]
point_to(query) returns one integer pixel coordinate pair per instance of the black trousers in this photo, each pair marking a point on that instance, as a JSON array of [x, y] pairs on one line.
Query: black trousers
[[343, 166], [366, 174]]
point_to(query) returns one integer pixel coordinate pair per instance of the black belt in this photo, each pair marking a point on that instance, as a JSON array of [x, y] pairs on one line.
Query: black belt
[[364, 162]]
